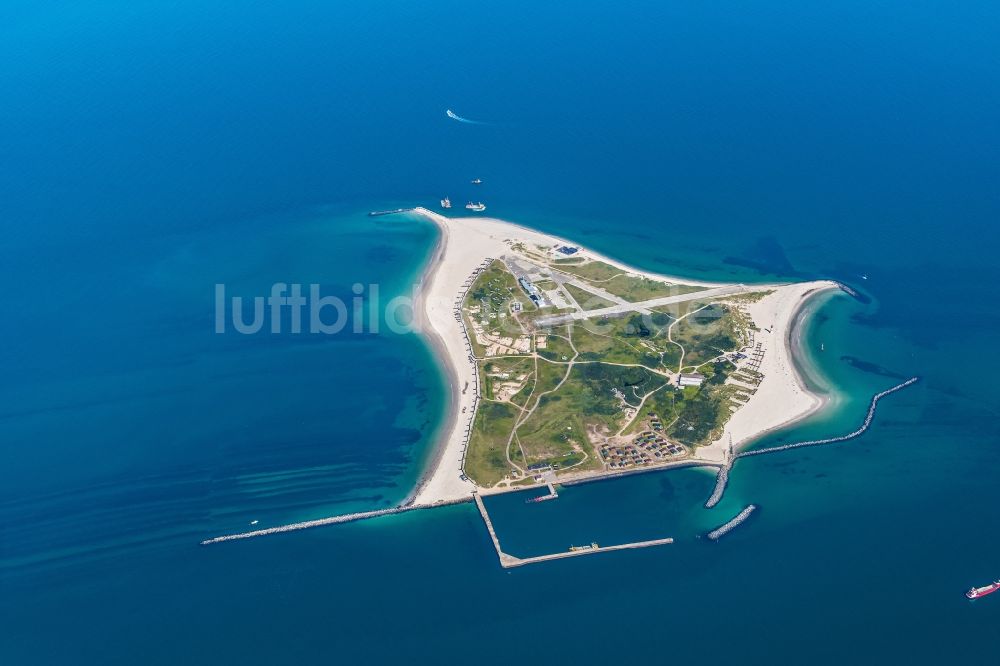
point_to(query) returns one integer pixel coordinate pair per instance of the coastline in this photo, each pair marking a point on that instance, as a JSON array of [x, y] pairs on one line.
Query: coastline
[[435, 456], [465, 242], [795, 393]]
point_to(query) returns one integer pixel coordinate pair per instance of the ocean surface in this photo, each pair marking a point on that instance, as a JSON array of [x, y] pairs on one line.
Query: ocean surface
[[151, 151]]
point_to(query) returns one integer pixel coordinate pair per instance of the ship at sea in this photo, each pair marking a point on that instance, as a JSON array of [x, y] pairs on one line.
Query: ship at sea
[[478, 207], [446, 203], [977, 592], [477, 181]]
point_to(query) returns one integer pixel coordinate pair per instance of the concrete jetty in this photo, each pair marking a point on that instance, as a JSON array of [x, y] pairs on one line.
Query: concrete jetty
[[544, 498], [843, 438], [723, 530], [505, 559], [510, 561]]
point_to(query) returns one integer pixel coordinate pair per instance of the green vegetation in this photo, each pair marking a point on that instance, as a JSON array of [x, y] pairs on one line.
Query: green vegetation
[[557, 346], [709, 332], [548, 376], [637, 339], [487, 461], [503, 369], [635, 289], [614, 341], [586, 402], [488, 303], [492, 292], [751, 297], [569, 261], [591, 270], [584, 382], [587, 300], [632, 288]]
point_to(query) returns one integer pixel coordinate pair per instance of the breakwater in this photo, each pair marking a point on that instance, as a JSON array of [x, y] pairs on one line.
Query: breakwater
[[842, 438], [723, 530], [332, 520], [722, 478], [376, 213], [720, 486]]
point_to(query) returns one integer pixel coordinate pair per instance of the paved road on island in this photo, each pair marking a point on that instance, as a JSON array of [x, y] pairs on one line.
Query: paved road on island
[[643, 305]]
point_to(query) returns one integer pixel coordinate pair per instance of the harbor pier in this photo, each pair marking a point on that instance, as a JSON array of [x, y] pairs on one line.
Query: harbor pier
[[508, 561]]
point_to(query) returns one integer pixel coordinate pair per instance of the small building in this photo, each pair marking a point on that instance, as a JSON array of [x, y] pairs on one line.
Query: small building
[[690, 379], [567, 250], [531, 290]]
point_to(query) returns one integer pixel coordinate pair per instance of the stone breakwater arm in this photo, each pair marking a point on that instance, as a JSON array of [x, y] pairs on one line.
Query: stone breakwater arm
[[723, 530], [332, 520], [842, 438], [720, 486]]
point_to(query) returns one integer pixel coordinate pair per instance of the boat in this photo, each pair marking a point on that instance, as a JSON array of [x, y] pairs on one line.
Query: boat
[[254, 522], [478, 207], [977, 592], [477, 181], [446, 203]]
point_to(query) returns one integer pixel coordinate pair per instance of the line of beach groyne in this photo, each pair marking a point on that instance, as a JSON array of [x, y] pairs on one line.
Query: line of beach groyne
[[331, 520], [723, 530], [477, 395], [842, 438]]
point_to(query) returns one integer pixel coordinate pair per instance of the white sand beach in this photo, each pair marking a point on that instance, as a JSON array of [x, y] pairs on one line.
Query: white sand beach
[[464, 245], [782, 398]]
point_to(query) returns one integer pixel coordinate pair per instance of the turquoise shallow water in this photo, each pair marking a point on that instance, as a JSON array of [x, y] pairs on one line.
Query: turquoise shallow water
[[153, 151]]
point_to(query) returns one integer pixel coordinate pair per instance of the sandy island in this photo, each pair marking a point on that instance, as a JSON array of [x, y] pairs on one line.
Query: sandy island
[[465, 243]]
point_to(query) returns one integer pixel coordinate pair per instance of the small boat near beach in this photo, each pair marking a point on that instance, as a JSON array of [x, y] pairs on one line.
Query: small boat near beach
[[446, 203], [478, 207]]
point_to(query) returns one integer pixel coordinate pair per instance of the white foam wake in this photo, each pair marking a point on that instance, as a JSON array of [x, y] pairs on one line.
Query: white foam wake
[[451, 114]]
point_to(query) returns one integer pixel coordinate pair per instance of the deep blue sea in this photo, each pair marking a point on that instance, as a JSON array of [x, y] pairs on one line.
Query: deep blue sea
[[150, 151]]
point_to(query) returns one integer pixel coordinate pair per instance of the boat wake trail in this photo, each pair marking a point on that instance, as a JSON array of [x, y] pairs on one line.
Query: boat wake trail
[[454, 116]]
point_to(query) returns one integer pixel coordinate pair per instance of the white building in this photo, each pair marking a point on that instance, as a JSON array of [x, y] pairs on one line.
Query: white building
[[692, 379]]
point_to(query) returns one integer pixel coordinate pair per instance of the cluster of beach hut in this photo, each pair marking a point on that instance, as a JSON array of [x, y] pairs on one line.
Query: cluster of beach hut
[[649, 447], [645, 450]]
